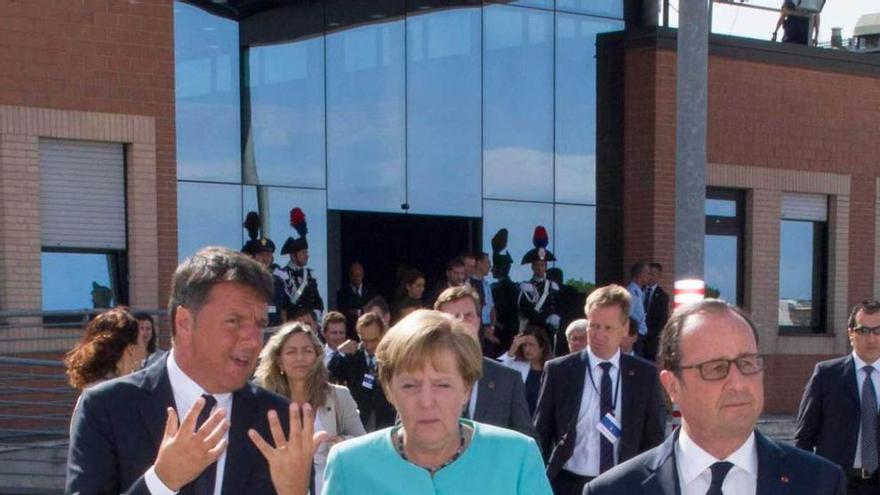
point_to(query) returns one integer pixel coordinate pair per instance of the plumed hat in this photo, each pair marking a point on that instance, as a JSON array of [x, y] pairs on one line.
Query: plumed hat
[[500, 257], [255, 243], [539, 253], [298, 222]]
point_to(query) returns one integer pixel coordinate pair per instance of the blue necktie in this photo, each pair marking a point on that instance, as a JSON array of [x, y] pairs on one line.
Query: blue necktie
[[204, 484], [606, 448], [869, 423]]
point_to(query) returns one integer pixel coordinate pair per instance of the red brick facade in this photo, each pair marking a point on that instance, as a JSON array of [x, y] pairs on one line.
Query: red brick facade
[[772, 109], [104, 56]]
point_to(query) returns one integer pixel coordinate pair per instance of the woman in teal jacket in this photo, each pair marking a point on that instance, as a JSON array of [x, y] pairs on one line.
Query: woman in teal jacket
[[428, 364]]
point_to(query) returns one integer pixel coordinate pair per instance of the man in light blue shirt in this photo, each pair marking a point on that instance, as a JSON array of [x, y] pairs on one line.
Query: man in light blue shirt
[[639, 274]]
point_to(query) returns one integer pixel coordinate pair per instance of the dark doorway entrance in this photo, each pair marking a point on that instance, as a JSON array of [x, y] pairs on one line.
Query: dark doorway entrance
[[383, 241]]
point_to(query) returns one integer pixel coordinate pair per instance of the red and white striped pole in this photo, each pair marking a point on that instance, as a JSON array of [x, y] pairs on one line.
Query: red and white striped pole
[[688, 291], [685, 292]]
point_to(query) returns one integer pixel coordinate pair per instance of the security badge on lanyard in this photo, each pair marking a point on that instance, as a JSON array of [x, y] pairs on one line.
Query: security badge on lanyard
[[369, 376], [608, 425], [369, 381]]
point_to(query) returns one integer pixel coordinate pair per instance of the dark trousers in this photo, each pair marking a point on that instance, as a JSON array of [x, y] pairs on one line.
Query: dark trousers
[[568, 483]]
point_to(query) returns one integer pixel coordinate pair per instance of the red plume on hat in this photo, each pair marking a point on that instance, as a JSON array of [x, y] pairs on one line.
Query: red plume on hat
[[540, 238], [298, 222], [252, 224]]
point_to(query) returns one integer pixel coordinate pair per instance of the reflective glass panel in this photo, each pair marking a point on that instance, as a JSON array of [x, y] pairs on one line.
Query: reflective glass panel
[[520, 219], [576, 242], [609, 8], [206, 82], [76, 281], [796, 272], [544, 4], [720, 207], [208, 215], [274, 204], [286, 141], [719, 266], [518, 103], [366, 118], [443, 112], [576, 105]]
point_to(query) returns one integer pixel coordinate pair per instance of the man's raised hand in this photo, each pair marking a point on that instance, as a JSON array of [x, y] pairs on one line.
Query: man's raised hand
[[290, 460], [185, 452]]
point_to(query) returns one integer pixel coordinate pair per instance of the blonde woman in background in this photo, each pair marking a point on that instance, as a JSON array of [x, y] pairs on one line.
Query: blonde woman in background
[[292, 365]]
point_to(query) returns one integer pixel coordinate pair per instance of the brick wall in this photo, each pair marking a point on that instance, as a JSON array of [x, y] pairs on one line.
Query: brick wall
[[104, 57], [778, 120], [785, 378]]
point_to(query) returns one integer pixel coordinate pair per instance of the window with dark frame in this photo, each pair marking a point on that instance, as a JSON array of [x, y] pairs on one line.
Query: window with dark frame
[[723, 247], [803, 265]]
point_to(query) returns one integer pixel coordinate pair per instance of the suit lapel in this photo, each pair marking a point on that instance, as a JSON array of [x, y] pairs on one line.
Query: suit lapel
[[663, 477], [628, 393], [240, 458], [579, 381], [849, 378], [158, 386], [485, 392], [773, 478]]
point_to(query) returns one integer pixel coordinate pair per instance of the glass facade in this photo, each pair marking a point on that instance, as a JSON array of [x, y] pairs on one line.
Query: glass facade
[[462, 109]]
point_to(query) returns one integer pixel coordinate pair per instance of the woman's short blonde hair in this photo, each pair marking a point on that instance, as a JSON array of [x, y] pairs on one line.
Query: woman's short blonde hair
[[420, 338], [270, 376]]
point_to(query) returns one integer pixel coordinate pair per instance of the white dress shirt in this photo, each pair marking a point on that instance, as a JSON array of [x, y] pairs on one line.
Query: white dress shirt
[[694, 463], [186, 392], [328, 354], [584, 459], [860, 382]]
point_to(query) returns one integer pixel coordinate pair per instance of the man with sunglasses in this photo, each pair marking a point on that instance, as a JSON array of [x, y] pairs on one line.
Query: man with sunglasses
[[711, 368], [838, 413]]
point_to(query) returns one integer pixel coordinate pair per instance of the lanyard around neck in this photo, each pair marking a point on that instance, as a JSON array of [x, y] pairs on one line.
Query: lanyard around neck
[[616, 387]]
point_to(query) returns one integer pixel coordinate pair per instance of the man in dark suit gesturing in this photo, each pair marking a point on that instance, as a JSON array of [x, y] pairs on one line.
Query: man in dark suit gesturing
[[125, 433], [499, 397], [598, 407], [356, 367], [712, 370], [838, 413]]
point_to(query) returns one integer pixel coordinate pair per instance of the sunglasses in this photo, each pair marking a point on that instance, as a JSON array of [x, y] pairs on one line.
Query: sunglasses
[[863, 330]]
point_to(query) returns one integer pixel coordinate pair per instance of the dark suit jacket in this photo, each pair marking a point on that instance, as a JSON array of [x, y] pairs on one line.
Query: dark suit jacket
[[118, 425], [562, 388], [657, 312], [350, 304], [830, 412], [349, 370], [501, 399], [782, 469]]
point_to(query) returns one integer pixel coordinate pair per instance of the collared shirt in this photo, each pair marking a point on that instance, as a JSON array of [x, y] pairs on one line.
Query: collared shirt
[[328, 354], [861, 374], [186, 392], [584, 459], [694, 473], [637, 310], [472, 404]]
